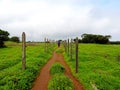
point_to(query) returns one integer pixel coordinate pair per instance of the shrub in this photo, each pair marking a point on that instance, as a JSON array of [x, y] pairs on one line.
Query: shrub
[[3, 37], [15, 39]]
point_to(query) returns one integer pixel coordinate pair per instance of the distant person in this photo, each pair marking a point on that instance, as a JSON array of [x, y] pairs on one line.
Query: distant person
[[58, 43]]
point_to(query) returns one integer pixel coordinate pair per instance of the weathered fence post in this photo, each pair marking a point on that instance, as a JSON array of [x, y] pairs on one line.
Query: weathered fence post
[[76, 54], [65, 46], [50, 43], [68, 47], [23, 51], [71, 51], [45, 45]]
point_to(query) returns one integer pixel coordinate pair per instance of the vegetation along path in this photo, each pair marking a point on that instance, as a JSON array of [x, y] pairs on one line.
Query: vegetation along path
[[41, 82]]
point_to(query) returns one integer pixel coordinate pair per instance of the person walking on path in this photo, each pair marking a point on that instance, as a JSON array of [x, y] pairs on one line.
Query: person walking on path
[[58, 43]]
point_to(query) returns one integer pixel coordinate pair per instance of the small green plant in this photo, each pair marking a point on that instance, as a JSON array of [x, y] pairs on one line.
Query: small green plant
[[60, 82], [57, 68]]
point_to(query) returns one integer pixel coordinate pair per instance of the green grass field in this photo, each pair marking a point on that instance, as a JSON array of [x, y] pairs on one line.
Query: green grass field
[[99, 65], [11, 75]]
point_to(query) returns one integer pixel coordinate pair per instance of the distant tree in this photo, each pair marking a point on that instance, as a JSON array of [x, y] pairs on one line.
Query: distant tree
[[15, 39], [3, 37], [88, 38], [92, 38]]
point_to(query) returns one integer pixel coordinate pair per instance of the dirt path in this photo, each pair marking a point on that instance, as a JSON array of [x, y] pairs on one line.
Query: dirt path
[[43, 78]]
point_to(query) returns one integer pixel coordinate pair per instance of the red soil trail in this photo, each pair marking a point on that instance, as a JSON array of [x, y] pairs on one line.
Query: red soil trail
[[77, 84], [41, 83], [43, 78]]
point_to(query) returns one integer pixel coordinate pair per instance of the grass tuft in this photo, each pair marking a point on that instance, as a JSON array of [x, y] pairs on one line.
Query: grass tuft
[[59, 81], [57, 68]]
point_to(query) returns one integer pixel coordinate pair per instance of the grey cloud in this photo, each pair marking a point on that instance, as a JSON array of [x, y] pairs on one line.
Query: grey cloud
[[59, 21]]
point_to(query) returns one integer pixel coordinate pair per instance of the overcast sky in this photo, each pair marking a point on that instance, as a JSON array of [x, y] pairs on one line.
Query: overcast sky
[[60, 19]]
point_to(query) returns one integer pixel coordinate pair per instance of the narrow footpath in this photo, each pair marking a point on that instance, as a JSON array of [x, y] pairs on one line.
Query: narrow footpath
[[41, 82]]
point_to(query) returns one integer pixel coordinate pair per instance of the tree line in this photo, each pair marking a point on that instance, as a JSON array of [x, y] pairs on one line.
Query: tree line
[[4, 36], [85, 38], [93, 38]]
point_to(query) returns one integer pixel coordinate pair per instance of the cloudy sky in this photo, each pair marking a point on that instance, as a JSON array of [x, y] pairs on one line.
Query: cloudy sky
[[60, 19]]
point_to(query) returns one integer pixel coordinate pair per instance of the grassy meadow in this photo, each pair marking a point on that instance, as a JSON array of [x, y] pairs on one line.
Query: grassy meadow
[[11, 75], [99, 65]]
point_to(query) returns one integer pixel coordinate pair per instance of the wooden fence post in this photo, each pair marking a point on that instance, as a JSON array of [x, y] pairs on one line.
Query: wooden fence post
[[45, 45], [71, 51], [65, 46], [68, 47], [76, 54], [50, 43], [23, 51]]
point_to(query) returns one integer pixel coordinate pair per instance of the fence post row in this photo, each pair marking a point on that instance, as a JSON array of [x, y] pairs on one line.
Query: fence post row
[[76, 54], [23, 51]]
